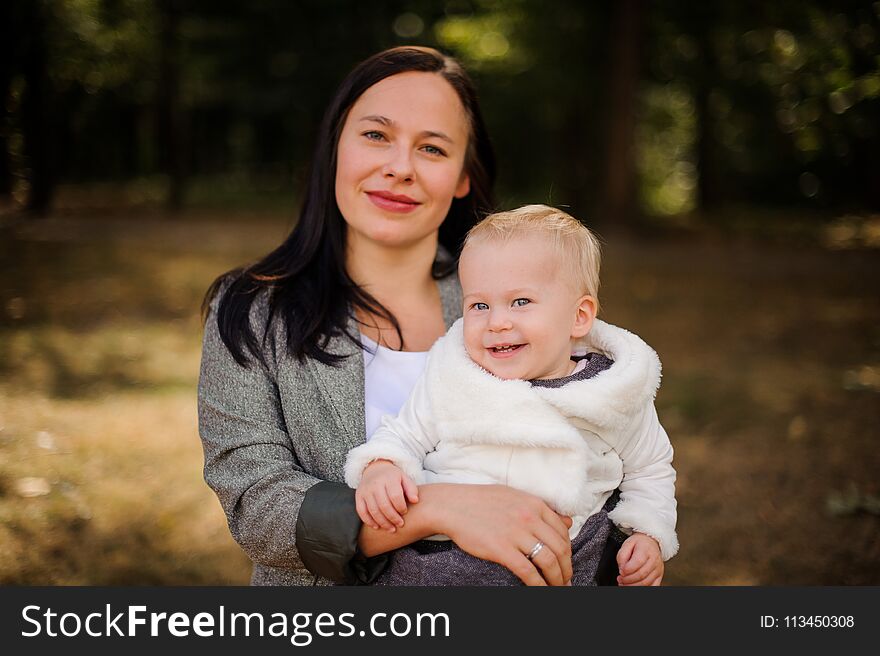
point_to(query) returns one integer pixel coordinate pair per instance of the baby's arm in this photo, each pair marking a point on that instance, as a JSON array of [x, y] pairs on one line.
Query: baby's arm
[[647, 501], [382, 496], [402, 442]]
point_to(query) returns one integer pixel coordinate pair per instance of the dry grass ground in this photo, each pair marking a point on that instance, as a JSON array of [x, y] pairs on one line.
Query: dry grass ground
[[770, 395]]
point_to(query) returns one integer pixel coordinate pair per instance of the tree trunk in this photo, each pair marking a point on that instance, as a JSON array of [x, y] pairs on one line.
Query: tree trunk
[[8, 61], [707, 187], [36, 123], [619, 193], [170, 110]]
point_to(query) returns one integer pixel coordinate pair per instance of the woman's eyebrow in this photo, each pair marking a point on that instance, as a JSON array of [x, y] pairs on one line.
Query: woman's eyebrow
[[375, 118], [384, 120]]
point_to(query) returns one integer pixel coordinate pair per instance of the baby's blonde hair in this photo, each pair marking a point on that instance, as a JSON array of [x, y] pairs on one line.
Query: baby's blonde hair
[[577, 247]]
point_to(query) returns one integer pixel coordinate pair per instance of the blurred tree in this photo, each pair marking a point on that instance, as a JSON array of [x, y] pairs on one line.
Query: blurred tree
[[781, 100], [36, 120], [104, 66], [746, 102], [171, 115], [78, 83], [542, 72], [619, 191], [10, 22]]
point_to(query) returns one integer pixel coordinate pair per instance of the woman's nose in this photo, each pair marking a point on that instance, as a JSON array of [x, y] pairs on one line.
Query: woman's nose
[[399, 166]]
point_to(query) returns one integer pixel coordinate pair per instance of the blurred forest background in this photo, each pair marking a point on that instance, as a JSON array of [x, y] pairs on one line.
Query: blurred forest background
[[728, 153]]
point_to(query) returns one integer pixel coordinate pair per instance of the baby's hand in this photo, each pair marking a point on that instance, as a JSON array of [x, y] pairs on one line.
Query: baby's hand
[[382, 495], [640, 561]]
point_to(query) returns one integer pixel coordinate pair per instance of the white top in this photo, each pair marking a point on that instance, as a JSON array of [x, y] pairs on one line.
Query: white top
[[389, 378]]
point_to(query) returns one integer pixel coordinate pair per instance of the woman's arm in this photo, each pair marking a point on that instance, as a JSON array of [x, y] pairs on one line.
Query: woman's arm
[[493, 522], [249, 458], [280, 514]]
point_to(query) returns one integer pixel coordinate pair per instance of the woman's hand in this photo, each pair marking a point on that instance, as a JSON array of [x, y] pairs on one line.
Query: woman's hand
[[501, 524], [639, 561], [492, 522]]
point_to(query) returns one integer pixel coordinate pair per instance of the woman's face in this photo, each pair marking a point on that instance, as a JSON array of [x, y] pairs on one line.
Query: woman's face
[[400, 160]]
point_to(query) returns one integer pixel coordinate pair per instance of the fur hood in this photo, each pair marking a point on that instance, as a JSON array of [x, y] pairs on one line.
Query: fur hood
[[470, 400]]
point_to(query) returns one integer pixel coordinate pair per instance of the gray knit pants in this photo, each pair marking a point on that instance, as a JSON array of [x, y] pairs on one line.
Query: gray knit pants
[[430, 562]]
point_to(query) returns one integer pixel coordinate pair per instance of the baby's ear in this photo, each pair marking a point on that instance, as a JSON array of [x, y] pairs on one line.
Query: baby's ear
[[585, 314]]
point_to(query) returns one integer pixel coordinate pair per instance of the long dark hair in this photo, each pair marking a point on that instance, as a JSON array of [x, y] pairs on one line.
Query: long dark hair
[[305, 276]]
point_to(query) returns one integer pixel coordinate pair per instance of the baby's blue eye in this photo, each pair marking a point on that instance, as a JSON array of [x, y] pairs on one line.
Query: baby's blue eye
[[520, 302], [480, 306]]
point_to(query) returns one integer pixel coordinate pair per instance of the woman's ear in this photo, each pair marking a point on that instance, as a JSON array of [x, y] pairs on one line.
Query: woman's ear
[[464, 186], [585, 314]]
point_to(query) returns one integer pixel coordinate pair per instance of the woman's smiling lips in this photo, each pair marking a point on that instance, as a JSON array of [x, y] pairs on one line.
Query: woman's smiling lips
[[392, 202]]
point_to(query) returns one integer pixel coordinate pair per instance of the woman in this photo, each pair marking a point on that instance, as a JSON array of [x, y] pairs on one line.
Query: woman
[[402, 169]]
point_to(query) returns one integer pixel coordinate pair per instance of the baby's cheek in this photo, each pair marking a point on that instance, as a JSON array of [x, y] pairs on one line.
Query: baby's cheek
[[472, 345], [470, 351]]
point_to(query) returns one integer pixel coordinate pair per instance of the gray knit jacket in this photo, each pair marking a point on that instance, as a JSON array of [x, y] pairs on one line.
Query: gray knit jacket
[[275, 440]]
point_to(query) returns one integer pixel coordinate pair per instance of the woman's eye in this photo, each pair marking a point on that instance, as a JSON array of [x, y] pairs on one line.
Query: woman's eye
[[480, 306], [433, 150], [521, 302], [373, 135]]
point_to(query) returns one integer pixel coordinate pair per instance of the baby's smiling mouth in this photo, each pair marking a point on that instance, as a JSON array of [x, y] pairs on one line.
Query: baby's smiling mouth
[[506, 348]]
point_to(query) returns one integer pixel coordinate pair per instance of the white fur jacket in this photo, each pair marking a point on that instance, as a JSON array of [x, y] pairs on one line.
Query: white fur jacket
[[571, 446]]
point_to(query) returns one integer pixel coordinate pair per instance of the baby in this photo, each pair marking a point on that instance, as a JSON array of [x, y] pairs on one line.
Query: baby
[[529, 389]]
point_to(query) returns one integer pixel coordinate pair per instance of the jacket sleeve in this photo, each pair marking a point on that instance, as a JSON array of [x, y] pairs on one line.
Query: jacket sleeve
[[647, 492], [278, 513], [405, 439]]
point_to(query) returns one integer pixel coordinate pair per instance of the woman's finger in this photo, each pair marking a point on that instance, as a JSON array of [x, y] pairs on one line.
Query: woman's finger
[[558, 538], [524, 569], [548, 563], [559, 523], [559, 548]]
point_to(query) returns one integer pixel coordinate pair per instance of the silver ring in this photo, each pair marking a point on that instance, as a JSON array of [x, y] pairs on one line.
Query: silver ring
[[535, 550]]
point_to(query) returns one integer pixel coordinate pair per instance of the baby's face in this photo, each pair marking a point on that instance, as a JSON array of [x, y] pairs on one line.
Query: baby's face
[[520, 310]]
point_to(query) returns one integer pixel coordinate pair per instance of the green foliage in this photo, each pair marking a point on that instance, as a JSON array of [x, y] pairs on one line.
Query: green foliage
[[665, 154], [104, 47], [746, 103], [786, 94]]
